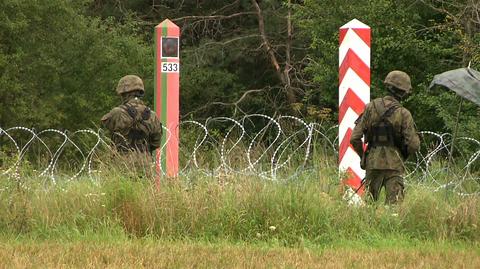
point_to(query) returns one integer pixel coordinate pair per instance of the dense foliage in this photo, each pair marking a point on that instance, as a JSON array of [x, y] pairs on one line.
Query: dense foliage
[[60, 60], [59, 66]]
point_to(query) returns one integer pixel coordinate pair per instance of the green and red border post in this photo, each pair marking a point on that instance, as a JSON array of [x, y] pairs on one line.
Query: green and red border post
[[167, 93]]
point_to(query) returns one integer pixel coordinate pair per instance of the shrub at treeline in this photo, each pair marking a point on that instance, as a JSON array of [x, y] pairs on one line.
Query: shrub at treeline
[[234, 209], [60, 60]]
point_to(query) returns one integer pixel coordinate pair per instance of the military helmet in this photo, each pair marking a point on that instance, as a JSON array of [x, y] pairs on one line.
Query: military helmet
[[399, 80], [130, 83]]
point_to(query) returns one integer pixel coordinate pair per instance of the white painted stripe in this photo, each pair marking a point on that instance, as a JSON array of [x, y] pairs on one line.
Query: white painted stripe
[[355, 43], [352, 160], [355, 24], [353, 81], [349, 159], [347, 122], [356, 167]]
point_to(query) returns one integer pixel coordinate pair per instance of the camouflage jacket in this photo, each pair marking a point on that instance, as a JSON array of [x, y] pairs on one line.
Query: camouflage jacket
[[139, 129], [385, 157]]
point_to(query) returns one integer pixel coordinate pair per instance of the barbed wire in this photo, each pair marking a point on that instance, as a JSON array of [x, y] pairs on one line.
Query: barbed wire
[[284, 147]]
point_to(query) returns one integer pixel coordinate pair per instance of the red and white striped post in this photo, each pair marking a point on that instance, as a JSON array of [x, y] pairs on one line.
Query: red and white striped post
[[167, 90], [354, 93]]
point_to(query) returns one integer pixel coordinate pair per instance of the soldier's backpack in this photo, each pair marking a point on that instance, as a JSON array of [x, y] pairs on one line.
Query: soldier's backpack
[[138, 133], [382, 132]]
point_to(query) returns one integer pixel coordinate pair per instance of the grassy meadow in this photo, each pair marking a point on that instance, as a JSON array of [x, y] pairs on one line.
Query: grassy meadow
[[118, 219]]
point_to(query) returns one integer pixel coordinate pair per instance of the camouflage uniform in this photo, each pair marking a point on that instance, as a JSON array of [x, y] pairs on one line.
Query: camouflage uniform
[[132, 125], [390, 133]]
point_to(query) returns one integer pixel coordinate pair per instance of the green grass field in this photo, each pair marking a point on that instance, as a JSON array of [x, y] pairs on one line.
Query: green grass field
[[119, 221]]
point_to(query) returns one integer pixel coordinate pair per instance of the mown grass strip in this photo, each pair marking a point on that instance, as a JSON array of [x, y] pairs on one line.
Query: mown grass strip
[[150, 254]]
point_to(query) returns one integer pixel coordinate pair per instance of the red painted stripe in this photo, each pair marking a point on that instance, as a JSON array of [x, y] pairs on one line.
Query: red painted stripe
[[357, 65], [343, 33], [173, 111], [173, 30], [173, 121], [354, 180], [351, 100], [344, 144], [364, 34]]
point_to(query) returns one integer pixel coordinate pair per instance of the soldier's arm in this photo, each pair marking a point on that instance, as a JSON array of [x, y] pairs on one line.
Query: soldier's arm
[[114, 120], [410, 137], [357, 134], [156, 135], [106, 121]]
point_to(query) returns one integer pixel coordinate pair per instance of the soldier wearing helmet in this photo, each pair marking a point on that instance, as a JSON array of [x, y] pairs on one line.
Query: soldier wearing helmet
[[389, 131], [132, 125]]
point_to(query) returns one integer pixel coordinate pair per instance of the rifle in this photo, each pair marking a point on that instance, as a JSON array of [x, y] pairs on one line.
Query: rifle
[[363, 160], [361, 184]]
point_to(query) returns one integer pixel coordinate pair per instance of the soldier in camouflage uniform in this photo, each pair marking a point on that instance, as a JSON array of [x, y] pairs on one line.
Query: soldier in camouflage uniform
[[132, 125], [389, 131]]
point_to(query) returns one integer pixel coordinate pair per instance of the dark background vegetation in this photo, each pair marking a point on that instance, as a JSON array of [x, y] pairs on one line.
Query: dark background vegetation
[[60, 60]]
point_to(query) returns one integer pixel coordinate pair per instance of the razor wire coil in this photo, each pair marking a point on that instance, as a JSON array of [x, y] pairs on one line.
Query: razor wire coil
[[271, 148]]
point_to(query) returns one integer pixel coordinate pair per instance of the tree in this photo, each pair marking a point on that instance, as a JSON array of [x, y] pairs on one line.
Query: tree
[[59, 67], [406, 35], [249, 42]]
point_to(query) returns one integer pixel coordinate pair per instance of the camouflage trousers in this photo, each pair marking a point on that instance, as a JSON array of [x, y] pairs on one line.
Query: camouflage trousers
[[391, 179], [136, 165]]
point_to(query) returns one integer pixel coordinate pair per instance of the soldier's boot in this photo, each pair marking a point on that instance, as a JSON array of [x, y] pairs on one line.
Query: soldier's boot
[[394, 190]]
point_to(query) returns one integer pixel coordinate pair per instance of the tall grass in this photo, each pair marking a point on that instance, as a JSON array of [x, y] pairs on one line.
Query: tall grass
[[246, 209]]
